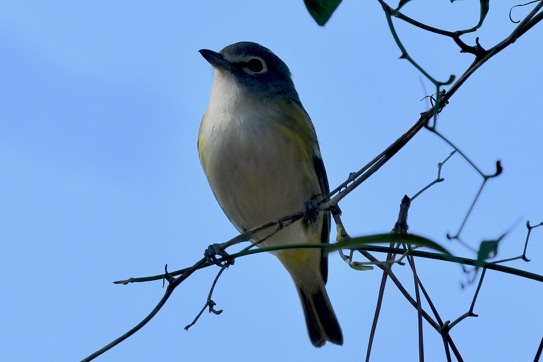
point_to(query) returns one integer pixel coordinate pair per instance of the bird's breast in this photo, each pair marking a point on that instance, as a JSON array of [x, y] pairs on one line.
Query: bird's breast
[[254, 165]]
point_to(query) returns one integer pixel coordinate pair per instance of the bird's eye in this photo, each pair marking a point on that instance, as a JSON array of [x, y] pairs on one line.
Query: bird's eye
[[255, 66]]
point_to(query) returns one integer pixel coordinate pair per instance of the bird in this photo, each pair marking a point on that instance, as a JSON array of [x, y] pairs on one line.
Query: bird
[[259, 151]]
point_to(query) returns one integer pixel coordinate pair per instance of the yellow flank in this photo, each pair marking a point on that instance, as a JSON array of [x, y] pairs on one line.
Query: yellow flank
[[298, 262], [295, 125]]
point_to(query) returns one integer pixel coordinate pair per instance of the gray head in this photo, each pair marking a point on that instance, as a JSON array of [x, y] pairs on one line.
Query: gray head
[[254, 67]]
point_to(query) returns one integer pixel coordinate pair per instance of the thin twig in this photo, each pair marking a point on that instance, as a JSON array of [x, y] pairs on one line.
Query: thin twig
[[539, 351], [529, 227], [438, 179], [376, 313], [169, 290], [417, 282], [470, 312], [209, 302], [399, 285]]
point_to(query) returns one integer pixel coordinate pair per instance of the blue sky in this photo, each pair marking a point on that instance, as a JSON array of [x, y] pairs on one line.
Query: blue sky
[[100, 104]]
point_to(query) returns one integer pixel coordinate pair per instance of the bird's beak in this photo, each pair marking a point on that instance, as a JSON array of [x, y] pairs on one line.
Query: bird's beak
[[215, 59]]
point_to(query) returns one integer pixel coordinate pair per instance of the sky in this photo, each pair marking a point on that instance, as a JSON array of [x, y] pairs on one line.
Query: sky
[[100, 104]]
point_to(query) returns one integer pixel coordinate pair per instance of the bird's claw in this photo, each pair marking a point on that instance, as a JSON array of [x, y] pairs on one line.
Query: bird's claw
[[311, 213], [215, 250]]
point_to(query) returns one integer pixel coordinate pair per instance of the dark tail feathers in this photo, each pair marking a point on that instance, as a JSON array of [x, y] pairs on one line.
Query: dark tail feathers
[[321, 321]]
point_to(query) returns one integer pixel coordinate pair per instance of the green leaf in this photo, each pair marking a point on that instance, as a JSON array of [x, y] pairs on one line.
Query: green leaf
[[487, 250], [411, 239], [484, 6], [321, 10]]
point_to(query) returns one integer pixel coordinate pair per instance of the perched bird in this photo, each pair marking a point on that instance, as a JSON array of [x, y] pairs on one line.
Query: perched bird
[[259, 151]]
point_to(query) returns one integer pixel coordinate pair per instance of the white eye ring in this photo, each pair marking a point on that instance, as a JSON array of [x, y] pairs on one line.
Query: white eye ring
[[255, 65]]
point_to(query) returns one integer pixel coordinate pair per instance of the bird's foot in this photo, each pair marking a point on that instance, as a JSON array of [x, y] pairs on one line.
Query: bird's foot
[[311, 213], [215, 250]]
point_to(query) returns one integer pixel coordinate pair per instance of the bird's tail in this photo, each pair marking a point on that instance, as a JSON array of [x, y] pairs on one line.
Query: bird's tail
[[321, 321]]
